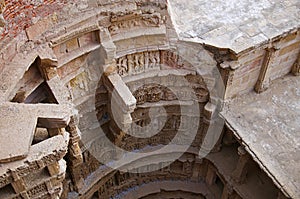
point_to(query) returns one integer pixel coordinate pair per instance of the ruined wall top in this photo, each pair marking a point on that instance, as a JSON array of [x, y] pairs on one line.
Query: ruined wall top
[[237, 24]]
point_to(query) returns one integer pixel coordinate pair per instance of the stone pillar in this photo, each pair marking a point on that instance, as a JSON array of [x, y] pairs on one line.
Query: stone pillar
[[198, 166], [75, 154], [263, 81], [212, 130], [241, 169], [55, 132], [18, 183], [210, 176]]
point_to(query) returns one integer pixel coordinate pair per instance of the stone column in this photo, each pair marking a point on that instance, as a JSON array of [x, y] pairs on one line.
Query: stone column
[[75, 154], [263, 81], [212, 130], [18, 183], [122, 101], [241, 169], [210, 176], [198, 166]]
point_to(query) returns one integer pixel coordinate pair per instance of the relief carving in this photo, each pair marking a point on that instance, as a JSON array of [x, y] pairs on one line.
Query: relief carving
[[153, 93], [138, 62], [127, 21], [40, 189], [173, 60], [4, 180], [156, 93]]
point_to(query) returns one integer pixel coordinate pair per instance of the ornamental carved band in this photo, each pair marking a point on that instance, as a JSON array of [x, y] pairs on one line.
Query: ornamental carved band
[[150, 60], [123, 22]]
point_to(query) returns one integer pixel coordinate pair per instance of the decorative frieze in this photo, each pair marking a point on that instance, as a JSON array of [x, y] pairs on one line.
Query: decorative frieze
[[123, 22], [156, 93], [136, 63]]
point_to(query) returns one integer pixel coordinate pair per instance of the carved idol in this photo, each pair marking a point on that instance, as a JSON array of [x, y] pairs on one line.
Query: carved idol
[[146, 56], [130, 63], [122, 66], [152, 60], [139, 62]]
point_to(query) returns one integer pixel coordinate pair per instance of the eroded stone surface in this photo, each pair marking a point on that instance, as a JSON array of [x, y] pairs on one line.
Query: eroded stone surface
[[237, 25], [90, 49], [268, 124], [18, 123]]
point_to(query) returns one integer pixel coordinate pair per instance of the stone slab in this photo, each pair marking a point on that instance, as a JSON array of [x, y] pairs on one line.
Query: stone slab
[[222, 23], [18, 123], [268, 125]]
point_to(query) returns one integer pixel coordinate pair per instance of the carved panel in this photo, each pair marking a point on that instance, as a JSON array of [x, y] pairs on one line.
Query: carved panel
[[143, 61], [38, 190], [123, 22], [156, 93], [138, 63], [153, 93]]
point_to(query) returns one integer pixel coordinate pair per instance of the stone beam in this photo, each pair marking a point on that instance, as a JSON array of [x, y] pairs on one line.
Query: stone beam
[[41, 155], [122, 101], [18, 123]]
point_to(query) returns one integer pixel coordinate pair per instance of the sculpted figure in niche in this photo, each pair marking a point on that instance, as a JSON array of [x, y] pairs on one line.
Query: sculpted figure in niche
[[113, 29], [130, 63], [157, 57], [146, 57], [154, 59], [139, 62], [122, 66]]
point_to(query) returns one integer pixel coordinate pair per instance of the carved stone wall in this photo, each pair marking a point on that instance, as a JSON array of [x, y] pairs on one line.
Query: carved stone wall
[[150, 60], [133, 43]]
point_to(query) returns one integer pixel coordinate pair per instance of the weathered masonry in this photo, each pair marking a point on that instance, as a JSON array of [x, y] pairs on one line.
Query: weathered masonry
[[82, 81]]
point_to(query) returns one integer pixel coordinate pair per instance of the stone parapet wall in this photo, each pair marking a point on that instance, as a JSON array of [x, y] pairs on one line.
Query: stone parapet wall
[[21, 14], [257, 66]]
